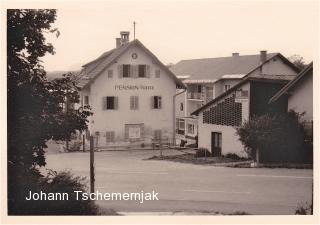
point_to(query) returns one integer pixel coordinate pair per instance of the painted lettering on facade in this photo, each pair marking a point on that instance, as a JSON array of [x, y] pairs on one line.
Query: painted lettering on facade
[[133, 87]]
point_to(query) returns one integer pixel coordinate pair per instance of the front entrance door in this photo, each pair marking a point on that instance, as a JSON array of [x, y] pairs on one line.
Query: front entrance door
[[216, 139]]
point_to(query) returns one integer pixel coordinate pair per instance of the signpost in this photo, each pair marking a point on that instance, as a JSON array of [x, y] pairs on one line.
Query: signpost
[[91, 165]]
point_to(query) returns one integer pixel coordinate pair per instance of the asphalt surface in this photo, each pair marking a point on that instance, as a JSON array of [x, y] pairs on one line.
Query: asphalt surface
[[190, 188]]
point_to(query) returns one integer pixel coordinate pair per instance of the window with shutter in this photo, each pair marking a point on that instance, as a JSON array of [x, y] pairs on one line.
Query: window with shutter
[[156, 102], [141, 70], [110, 103], [110, 136], [134, 102], [126, 71]]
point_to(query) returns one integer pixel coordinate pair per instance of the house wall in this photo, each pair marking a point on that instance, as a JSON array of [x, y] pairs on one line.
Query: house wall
[[301, 99], [230, 142], [275, 67], [115, 120]]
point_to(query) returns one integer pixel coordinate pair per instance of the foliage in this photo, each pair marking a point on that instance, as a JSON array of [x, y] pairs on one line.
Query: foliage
[[234, 156], [304, 209], [281, 133], [202, 152], [53, 182], [298, 61], [36, 111]]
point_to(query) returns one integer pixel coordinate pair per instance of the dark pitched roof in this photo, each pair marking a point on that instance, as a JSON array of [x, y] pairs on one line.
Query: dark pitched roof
[[215, 68], [292, 83], [92, 69]]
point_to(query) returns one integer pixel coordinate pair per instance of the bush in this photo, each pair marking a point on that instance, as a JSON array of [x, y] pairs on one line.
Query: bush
[[304, 209], [279, 138], [233, 156], [75, 146], [202, 152], [63, 182]]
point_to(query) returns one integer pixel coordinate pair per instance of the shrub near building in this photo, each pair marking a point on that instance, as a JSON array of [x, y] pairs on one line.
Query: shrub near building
[[278, 138]]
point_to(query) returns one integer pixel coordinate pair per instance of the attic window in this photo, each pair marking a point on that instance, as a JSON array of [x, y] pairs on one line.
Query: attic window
[[126, 70]]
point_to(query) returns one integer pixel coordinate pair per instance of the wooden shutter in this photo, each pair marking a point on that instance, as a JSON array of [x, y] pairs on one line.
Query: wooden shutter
[[142, 131], [134, 69], [120, 71], [104, 103], [147, 71], [159, 102], [116, 103], [126, 131], [152, 102], [131, 102], [137, 102]]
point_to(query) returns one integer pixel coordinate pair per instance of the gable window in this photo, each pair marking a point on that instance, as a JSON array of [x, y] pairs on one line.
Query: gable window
[[226, 87], [110, 136], [110, 103], [141, 70], [156, 102], [134, 102], [126, 70], [86, 100], [110, 73], [157, 73]]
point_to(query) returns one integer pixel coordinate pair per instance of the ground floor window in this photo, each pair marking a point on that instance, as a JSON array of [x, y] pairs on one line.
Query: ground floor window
[[190, 128], [157, 134], [110, 136], [134, 132], [180, 126]]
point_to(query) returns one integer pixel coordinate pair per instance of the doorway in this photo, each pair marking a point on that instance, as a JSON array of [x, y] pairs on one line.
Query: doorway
[[216, 141]]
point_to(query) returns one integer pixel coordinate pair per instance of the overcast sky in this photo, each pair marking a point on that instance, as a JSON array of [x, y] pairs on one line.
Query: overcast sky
[[184, 30]]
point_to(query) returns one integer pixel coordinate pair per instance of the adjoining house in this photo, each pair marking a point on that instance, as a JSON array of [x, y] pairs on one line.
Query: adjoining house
[[206, 79], [131, 94], [218, 119], [299, 93]]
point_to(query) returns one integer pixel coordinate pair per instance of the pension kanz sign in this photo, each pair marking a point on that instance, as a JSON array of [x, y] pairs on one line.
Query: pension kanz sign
[[121, 87]]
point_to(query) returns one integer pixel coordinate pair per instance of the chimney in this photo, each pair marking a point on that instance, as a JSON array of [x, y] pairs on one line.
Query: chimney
[[235, 54], [124, 37], [118, 42], [263, 56]]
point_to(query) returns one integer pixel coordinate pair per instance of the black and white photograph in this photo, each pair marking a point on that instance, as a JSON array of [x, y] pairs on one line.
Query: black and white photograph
[[175, 109]]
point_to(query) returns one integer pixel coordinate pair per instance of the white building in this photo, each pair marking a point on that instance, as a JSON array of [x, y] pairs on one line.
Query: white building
[[208, 78], [219, 118], [131, 94]]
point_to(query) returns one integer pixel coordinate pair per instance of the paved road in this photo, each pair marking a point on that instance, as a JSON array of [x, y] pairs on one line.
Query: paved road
[[190, 188]]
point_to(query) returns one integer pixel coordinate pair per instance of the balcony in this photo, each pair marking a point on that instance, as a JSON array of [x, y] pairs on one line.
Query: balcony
[[194, 95]]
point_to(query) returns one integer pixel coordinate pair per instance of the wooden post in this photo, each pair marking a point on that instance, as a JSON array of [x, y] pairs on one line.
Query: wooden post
[[83, 142], [91, 164], [257, 157]]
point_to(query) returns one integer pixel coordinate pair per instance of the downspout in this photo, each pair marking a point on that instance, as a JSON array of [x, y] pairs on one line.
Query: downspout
[[174, 115]]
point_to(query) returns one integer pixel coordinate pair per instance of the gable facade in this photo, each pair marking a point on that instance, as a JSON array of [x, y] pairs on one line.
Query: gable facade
[[131, 100]]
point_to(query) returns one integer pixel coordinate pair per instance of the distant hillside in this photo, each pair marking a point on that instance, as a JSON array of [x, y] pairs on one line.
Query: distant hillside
[[58, 74]]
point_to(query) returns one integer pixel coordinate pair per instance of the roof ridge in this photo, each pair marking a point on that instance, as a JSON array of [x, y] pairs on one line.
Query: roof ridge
[[271, 53]]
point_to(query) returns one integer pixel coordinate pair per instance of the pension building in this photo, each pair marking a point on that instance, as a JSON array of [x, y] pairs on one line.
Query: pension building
[[131, 94]]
